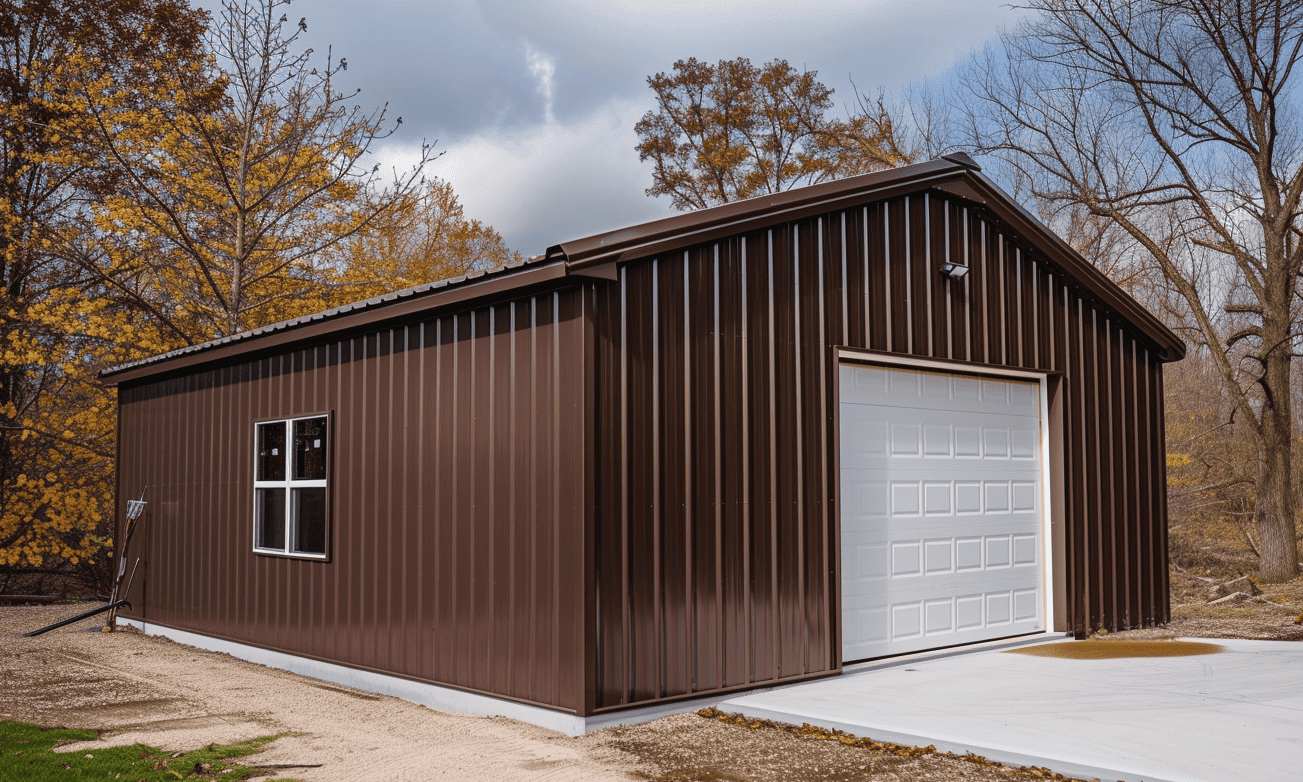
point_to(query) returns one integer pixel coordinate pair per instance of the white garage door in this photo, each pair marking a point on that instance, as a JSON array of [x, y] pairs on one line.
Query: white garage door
[[941, 510]]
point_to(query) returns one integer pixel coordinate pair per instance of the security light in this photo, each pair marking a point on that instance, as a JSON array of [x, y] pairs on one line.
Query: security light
[[955, 270]]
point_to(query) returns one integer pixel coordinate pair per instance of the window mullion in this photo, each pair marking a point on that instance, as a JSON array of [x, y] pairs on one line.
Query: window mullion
[[289, 480]]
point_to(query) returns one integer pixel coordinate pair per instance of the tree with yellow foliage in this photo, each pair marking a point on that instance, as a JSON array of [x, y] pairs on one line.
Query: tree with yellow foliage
[[236, 210], [166, 182], [60, 320], [733, 130], [424, 237]]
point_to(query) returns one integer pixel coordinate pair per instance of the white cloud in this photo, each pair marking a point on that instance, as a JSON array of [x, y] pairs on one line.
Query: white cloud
[[543, 69], [536, 103], [551, 182]]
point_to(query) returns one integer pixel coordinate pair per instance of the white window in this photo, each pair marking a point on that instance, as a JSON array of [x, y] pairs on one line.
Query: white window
[[289, 487]]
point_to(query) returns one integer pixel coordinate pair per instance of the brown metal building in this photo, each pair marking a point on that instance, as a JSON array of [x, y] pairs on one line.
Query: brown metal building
[[651, 464]]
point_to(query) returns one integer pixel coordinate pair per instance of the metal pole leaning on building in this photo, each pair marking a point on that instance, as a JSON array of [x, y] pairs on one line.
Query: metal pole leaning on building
[[134, 509], [112, 605]]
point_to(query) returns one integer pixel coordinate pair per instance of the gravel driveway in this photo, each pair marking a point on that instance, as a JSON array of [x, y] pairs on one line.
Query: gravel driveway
[[150, 690], [137, 688]]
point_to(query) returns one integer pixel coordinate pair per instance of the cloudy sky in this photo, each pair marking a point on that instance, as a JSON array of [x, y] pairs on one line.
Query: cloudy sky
[[533, 103]]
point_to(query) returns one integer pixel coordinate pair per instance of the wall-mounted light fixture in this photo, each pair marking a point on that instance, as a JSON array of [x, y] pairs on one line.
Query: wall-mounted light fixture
[[955, 270]]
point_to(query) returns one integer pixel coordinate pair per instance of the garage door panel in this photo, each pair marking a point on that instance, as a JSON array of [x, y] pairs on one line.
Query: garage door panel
[[922, 525], [1020, 540], [935, 391], [924, 492], [871, 435], [969, 609], [906, 626], [941, 524], [939, 565], [919, 586]]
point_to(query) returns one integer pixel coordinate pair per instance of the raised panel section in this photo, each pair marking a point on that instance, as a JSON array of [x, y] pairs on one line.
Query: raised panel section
[[938, 617], [936, 499], [936, 441], [939, 556], [905, 560], [968, 554], [906, 621], [904, 499]]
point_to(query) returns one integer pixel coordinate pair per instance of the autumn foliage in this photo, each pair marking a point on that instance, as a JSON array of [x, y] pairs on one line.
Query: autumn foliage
[[61, 319], [167, 177], [734, 130]]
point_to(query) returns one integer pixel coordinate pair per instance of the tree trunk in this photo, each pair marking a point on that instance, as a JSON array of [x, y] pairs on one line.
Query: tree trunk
[[1275, 509]]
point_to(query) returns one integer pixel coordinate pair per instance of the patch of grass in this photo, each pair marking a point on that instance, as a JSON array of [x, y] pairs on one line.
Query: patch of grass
[[26, 752]]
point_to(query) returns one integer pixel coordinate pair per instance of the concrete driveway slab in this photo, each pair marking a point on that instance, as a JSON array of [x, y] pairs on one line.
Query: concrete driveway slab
[[1234, 715]]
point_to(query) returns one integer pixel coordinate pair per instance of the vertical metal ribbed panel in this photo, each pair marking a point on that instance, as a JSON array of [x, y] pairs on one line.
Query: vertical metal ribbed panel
[[715, 467], [456, 500]]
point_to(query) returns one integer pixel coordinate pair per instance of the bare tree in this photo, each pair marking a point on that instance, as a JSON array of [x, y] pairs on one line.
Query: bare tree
[[235, 208], [879, 132], [1177, 124]]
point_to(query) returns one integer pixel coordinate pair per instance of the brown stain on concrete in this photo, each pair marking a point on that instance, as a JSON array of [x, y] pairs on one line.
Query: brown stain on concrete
[[1109, 650]]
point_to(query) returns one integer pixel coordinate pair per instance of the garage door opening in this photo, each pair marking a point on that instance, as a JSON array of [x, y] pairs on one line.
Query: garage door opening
[[943, 521]]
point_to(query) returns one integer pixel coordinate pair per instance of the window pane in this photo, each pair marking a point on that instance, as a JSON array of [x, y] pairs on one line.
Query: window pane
[[310, 521], [310, 449], [270, 532], [271, 451]]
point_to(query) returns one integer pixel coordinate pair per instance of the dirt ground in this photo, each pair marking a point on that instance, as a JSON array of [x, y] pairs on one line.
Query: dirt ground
[[1270, 616], [137, 688], [1208, 548]]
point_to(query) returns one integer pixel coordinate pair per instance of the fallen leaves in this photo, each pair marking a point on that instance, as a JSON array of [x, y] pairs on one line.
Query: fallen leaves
[[809, 731]]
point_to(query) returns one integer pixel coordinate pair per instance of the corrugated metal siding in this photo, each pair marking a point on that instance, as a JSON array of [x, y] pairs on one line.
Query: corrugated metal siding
[[456, 500], [715, 517], [713, 563]]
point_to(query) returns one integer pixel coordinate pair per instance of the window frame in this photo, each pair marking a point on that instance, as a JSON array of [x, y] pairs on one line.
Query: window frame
[[289, 484]]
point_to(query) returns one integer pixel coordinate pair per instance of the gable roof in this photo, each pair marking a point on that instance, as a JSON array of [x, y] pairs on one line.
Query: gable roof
[[957, 174], [598, 255]]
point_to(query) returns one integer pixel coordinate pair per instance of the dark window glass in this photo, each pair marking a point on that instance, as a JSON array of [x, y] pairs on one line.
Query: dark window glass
[[271, 451], [310, 449], [271, 518], [310, 521]]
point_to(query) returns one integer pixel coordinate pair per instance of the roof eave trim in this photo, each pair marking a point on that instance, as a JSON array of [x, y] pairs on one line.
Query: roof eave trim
[[739, 216], [317, 327], [987, 192]]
